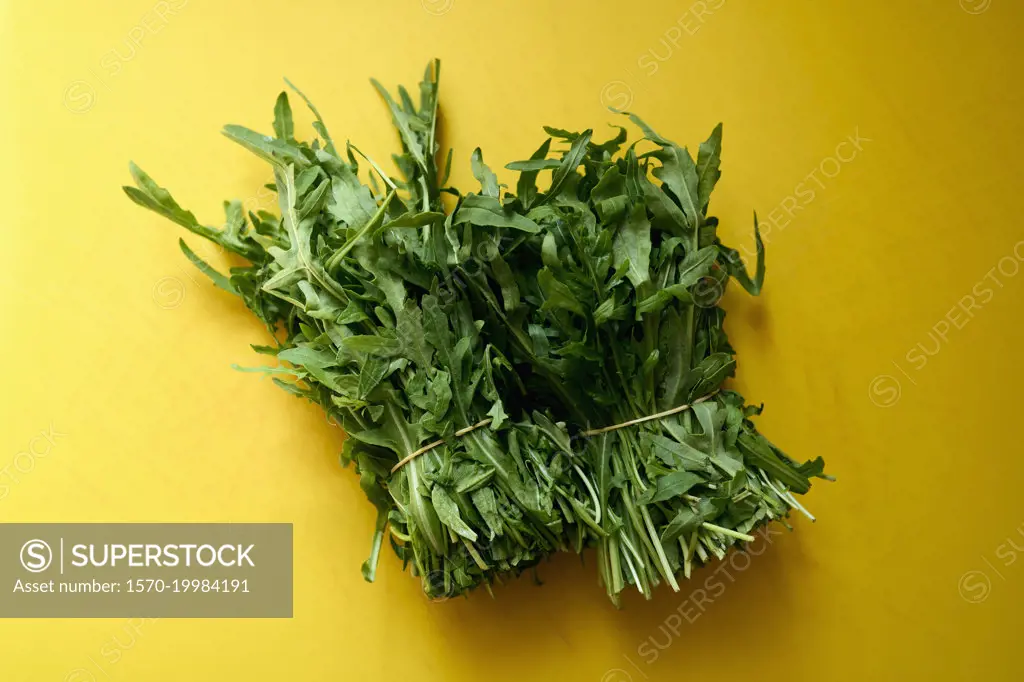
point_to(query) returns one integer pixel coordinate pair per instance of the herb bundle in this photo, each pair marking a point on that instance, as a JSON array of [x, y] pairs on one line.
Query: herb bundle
[[455, 348], [611, 299]]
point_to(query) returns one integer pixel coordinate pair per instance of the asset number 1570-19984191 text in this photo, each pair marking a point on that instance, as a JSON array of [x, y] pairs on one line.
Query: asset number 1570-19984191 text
[[201, 585]]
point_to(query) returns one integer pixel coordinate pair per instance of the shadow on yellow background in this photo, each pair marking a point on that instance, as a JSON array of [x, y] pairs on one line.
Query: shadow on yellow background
[[901, 119]]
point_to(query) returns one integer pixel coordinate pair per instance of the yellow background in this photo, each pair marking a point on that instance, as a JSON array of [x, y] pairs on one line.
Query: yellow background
[[113, 341]]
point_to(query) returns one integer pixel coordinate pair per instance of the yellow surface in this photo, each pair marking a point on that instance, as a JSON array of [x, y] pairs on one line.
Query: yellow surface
[[114, 343]]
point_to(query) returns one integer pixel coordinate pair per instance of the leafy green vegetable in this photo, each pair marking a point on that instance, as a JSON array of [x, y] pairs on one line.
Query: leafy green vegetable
[[614, 321], [352, 284], [468, 355]]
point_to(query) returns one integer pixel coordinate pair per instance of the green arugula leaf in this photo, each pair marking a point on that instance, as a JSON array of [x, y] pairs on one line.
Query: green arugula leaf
[[488, 180], [284, 128], [709, 161], [449, 514], [632, 245], [570, 162]]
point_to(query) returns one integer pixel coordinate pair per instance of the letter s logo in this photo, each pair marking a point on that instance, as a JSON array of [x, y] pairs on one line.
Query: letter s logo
[[36, 556]]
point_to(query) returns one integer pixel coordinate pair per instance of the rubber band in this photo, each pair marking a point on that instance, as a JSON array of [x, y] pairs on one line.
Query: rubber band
[[430, 446], [641, 420]]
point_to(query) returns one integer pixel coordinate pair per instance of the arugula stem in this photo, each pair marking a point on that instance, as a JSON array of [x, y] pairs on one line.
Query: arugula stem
[[632, 570], [622, 381], [476, 555], [729, 532], [630, 446], [593, 493], [691, 548], [687, 563], [374, 222], [641, 530], [611, 566], [666, 570]]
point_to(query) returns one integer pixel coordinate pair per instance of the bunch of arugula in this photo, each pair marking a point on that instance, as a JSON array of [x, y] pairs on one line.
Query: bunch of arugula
[[348, 280], [607, 286], [586, 304]]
